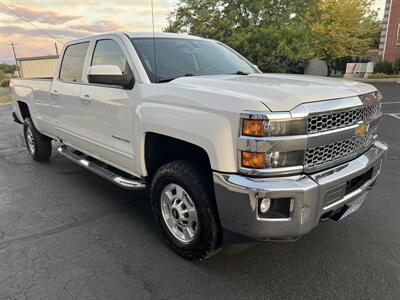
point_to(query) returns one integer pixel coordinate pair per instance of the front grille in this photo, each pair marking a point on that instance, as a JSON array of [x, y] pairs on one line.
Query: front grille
[[334, 120], [321, 155]]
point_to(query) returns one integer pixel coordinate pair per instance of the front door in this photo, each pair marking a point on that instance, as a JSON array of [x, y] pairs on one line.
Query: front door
[[108, 110]]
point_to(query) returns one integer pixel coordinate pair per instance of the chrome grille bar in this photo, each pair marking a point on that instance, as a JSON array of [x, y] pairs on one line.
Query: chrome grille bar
[[336, 152], [340, 119]]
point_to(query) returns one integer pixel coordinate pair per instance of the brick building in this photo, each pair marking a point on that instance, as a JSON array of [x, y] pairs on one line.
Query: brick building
[[389, 46]]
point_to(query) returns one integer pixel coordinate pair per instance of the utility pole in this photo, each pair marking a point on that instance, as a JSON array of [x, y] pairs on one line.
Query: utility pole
[[15, 57], [55, 45]]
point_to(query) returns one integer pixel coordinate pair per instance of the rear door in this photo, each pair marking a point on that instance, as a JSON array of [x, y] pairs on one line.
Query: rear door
[[108, 109], [69, 120]]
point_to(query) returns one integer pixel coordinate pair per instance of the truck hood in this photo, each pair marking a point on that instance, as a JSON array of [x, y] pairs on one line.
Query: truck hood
[[279, 92]]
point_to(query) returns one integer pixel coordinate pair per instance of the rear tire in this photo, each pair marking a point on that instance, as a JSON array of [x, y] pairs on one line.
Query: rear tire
[[38, 145], [183, 202]]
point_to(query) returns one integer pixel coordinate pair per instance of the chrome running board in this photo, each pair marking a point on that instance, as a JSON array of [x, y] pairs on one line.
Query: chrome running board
[[129, 182]]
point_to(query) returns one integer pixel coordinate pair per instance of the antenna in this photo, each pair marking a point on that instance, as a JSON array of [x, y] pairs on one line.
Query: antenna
[[55, 45], [154, 41]]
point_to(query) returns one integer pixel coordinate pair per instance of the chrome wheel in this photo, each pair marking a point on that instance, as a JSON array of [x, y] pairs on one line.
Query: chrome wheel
[[179, 213], [30, 140]]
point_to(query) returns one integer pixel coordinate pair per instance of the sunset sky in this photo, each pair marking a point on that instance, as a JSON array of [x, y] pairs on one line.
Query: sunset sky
[[70, 19]]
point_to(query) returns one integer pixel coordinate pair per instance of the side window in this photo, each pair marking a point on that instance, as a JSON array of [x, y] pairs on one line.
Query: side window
[[108, 52], [72, 63]]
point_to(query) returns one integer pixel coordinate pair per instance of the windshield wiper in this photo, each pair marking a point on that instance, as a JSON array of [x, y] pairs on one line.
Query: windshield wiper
[[168, 79], [241, 73]]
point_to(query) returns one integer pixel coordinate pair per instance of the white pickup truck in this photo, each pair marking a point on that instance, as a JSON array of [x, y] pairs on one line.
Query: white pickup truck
[[222, 147]]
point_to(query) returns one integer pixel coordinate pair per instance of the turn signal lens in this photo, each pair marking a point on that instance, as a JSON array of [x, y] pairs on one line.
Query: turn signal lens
[[253, 160], [252, 127]]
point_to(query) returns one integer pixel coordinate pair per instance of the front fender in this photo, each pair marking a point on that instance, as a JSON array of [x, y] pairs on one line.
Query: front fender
[[214, 132]]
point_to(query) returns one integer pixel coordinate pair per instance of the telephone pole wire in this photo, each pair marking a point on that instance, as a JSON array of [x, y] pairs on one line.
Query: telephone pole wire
[[15, 57]]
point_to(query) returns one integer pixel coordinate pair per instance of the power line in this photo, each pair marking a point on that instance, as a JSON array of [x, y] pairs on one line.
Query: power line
[[28, 21]]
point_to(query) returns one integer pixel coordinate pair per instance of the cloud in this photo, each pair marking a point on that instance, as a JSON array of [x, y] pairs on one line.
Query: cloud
[[33, 32], [71, 19], [100, 26], [39, 15], [34, 46]]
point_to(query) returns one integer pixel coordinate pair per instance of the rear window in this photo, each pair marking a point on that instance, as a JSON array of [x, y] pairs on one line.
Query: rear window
[[72, 63]]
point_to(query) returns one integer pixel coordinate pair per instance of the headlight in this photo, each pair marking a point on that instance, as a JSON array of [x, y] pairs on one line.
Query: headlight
[[287, 127], [284, 159], [269, 141], [261, 128]]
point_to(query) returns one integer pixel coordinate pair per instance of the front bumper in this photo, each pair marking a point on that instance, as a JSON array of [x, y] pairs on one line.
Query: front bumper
[[311, 197]]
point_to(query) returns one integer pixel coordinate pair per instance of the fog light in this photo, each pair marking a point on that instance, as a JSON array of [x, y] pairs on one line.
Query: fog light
[[265, 205]]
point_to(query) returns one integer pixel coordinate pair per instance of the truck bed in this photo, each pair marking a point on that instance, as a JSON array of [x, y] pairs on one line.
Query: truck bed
[[27, 90], [35, 92]]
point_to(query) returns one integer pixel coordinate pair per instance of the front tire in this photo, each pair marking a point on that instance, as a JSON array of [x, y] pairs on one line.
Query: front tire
[[183, 203], [38, 145]]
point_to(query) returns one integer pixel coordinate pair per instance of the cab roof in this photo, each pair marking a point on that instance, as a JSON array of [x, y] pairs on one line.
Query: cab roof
[[162, 35]]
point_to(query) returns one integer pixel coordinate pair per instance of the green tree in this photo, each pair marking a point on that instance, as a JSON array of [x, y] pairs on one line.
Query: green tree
[[375, 34], [2, 75], [273, 33], [7, 69], [266, 32], [341, 28]]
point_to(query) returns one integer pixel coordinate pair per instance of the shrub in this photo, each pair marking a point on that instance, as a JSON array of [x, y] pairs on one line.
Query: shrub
[[378, 75], [281, 65], [5, 83], [383, 67], [396, 65], [382, 75]]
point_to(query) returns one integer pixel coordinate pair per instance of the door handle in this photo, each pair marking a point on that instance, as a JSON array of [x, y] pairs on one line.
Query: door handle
[[54, 93], [86, 99]]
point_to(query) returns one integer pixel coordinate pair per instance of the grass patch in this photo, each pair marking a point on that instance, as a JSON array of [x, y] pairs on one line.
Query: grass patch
[[5, 99], [383, 75]]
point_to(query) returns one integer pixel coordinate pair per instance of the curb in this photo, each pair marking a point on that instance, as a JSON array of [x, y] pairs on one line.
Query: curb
[[395, 80]]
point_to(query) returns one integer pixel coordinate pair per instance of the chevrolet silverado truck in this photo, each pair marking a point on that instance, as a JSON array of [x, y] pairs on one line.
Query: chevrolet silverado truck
[[221, 147]]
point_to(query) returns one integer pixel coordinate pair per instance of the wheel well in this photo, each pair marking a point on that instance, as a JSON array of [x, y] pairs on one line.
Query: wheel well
[[161, 149], [24, 109]]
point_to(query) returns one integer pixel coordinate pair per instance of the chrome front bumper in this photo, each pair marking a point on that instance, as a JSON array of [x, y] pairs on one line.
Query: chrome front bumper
[[311, 197]]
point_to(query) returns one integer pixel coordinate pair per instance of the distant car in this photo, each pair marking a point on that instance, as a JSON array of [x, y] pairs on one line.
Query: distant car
[[220, 146]]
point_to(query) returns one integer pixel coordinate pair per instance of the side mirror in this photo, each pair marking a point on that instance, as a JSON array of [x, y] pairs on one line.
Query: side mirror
[[110, 75]]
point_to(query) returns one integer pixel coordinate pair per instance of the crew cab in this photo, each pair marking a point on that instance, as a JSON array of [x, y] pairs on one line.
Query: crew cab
[[221, 147]]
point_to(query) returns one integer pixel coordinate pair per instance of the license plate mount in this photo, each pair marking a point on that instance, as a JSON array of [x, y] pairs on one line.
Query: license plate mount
[[354, 205]]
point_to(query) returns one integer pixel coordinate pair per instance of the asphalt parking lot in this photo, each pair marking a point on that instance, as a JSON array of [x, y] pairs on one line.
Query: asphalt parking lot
[[68, 234]]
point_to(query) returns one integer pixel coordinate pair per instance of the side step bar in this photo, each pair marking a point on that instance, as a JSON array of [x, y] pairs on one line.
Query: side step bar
[[130, 183]]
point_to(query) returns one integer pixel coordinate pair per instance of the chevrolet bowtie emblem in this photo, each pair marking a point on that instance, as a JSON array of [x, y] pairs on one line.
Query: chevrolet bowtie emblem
[[362, 129]]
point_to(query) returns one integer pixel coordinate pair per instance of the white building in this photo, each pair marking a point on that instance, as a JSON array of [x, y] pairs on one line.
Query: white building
[[39, 66]]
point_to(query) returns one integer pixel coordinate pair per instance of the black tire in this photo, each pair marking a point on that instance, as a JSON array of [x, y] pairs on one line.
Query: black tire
[[198, 185], [42, 144]]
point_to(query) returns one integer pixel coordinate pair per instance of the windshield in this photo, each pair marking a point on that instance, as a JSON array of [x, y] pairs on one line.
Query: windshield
[[188, 57]]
